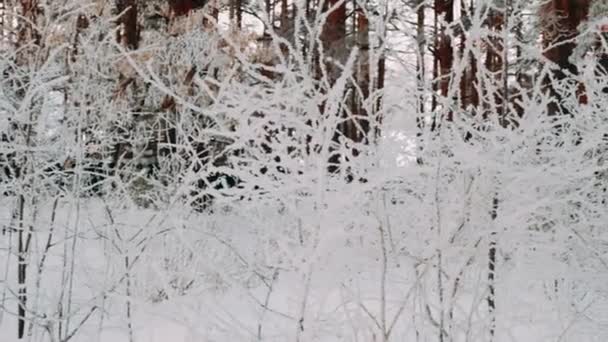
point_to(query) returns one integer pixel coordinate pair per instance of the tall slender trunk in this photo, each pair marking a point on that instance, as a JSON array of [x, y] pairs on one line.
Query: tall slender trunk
[[444, 50], [465, 78], [379, 98], [26, 34], [359, 128], [420, 59], [504, 113], [128, 35], [284, 18], [561, 19], [24, 235], [468, 90], [21, 267], [498, 65], [420, 73], [491, 299], [494, 64], [333, 34], [435, 66], [333, 46], [232, 11], [239, 13], [2, 20], [522, 80], [268, 6]]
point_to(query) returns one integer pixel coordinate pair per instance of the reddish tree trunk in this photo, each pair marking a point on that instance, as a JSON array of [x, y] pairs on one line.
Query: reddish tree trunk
[[468, 90], [445, 51], [129, 34], [26, 32], [184, 7], [332, 35], [561, 19], [332, 46], [334, 30], [494, 63], [363, 78]]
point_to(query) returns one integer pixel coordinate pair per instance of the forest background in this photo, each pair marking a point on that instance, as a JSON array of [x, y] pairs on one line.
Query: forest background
[[303, 170]]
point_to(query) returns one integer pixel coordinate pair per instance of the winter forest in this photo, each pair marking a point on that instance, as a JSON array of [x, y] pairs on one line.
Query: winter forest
[[303, 170]]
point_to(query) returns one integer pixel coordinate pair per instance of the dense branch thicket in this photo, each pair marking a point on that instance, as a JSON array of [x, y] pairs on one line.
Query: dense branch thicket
[[302, 170]]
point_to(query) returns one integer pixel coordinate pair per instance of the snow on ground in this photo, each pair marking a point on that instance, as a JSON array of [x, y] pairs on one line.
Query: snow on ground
[[244, 276]]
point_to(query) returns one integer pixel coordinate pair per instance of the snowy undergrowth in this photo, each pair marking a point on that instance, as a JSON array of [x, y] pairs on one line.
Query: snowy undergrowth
[[344, 262]]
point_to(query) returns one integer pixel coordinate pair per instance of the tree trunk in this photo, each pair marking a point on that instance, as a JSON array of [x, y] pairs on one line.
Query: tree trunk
[[491, 299], [239, 14], [333, 47], [358, 129], [27, 34], [560, 20], [284, 18], [333, 35], [379, 89], [468, 90], [444, 50], [184, 7], [420, 73], [494, 103], [128, 35], [420, 59]]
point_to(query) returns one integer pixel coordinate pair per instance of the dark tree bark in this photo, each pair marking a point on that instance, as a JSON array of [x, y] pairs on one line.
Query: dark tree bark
[[239, 13], [420, 72], [284, 17], [27, 35], [379, 87], [334, 33], [358, 129], [494, 103], [468, 83], [491, 299], [128, 35], [560, 20], [333, 47], [420, 58], [444, 52], [184, 7], [236, 13], [522, 79]]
